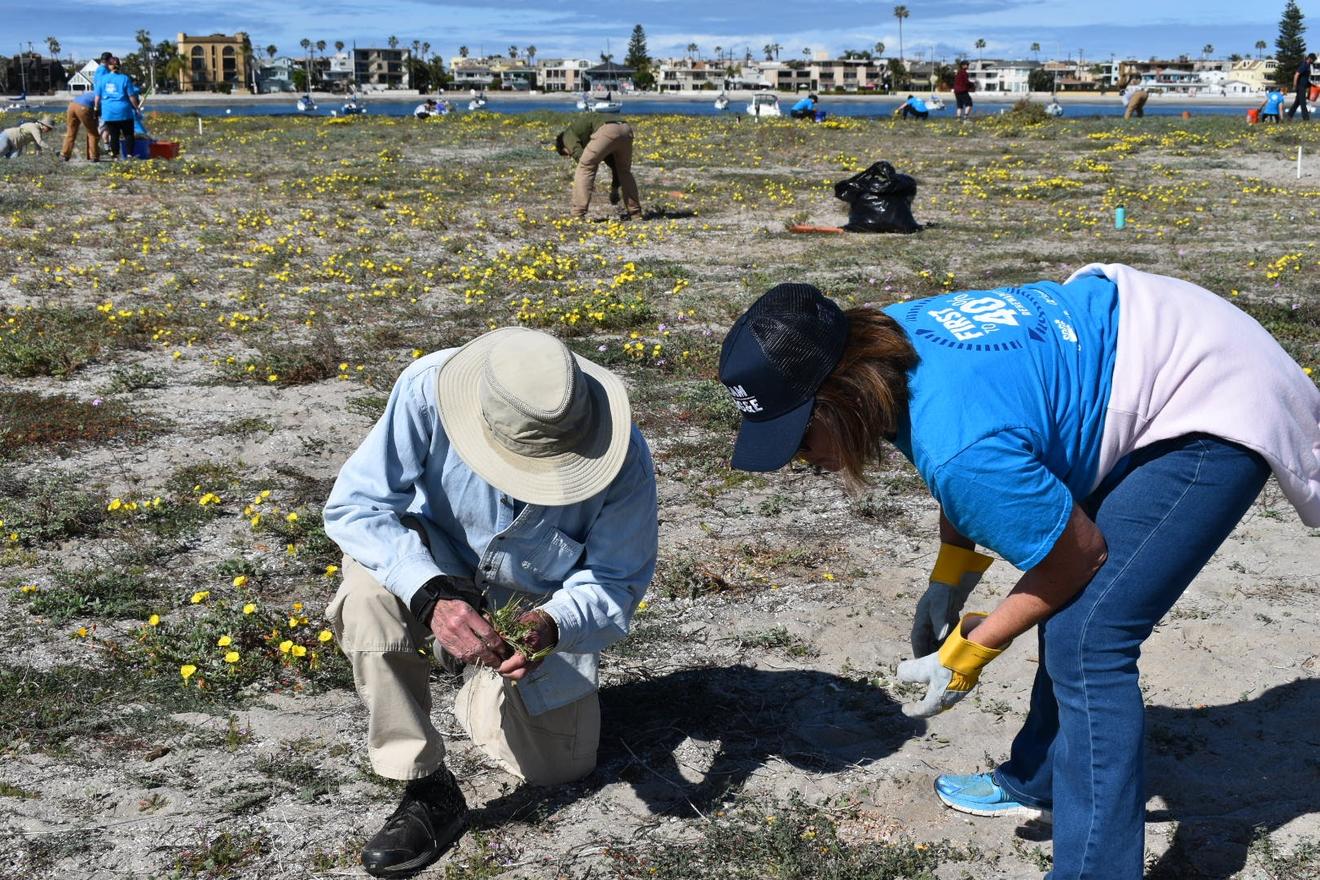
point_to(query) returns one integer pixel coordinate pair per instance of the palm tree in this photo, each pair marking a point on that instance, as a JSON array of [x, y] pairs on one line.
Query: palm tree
[[462, 51], [272, 50], [392, 42], [54, 46], [980, 44], [900, 13], [1035, 50], [1207, 50], [529, 53], [806, 52], [307, 61], [691, 50], [339, 45], [320, 46], [513, 51], [879, 49], [1260, 47]]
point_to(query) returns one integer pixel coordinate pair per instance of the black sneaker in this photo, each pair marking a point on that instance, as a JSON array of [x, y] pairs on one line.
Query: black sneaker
[[430, 818]]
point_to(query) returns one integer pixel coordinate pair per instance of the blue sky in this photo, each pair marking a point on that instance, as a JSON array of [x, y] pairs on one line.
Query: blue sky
[[941, 28]]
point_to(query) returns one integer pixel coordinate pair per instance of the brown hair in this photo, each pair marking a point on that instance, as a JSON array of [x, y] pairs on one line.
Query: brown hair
[[864, 401]]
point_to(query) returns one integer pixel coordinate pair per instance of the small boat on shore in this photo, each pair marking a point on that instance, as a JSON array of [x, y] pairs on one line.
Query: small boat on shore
[[722, 102], [478, 101], [1054, 108], [763, 105], [306, 104]]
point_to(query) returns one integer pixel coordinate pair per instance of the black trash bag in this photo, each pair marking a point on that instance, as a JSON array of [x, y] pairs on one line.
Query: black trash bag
[[880, 200]]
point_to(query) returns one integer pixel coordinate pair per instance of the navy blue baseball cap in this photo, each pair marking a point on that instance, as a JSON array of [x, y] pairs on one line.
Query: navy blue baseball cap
[[774, 359]]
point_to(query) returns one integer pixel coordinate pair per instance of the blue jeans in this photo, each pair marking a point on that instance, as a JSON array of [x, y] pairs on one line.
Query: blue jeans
[[1081, 751], [6, 148]]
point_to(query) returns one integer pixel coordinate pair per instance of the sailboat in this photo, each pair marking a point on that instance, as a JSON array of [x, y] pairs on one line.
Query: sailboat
[[478, 101], [722, 101]]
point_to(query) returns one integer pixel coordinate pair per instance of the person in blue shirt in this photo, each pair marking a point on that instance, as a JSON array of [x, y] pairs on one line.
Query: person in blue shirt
[[508, 469], [116, 103], [804, 109], [1272, 109], [913, 108], [1103, 435]]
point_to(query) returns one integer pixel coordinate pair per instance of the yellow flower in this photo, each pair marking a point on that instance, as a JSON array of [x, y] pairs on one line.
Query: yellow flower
[[285, 646], [187, 670], [224, 641], [324, 635], [292, 517], [298, 651], [249, 607], [331, 570], [293, 623], [28, 589], [240, 581], [829, 576], [200, 596], [153, 620], [231, 657], [114, 505], [298, 607], [82, 632]]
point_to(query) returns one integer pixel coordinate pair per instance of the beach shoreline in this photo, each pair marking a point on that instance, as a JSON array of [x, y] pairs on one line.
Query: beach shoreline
[[696, 97]]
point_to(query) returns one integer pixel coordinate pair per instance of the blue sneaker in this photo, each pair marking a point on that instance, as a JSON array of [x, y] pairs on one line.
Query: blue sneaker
[[980, 795]]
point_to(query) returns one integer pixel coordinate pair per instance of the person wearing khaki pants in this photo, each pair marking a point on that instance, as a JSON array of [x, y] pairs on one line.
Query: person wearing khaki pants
[[82, 113], [591, 140], [507, 470]]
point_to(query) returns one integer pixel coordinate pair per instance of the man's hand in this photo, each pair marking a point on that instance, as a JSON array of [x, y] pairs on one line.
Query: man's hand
[[466, 635], [543, 636]]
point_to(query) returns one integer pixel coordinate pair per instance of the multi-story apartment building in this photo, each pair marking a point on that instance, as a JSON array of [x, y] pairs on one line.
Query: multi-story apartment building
[[381, 68], [215, 62], [561, 74]]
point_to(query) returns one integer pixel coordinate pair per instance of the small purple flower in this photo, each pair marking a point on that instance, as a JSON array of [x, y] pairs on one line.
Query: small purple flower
[[97, 401], [662, 328], [601, 347]]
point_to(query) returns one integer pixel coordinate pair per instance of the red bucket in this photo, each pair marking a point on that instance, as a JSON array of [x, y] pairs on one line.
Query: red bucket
[[1253, 116]]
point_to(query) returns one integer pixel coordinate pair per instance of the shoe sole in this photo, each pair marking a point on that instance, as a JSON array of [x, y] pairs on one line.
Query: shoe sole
[[407, 869], [1020, 811]]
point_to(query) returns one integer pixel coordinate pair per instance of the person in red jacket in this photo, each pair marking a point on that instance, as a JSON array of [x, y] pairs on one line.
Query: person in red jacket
[[962, 91]]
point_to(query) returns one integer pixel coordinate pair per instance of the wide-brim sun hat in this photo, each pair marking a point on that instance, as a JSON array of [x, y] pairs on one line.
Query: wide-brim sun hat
[[533, 419], [46, 121]]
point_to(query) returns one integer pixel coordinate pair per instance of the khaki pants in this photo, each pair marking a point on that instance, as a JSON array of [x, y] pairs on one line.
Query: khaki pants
[[615, 140], [385, 644], [81, 115], [1136, 105]]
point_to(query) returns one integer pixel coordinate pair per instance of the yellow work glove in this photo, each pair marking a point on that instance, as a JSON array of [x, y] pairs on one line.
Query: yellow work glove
[[950, 673], [957, 572]]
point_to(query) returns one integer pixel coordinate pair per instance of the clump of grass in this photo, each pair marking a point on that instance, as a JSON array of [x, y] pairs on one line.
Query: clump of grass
[[683, 577], [218, 857], [793, 841], [232, 645], [28, 418], [281, 363], [113, 592], [41, 506], [506, 619]]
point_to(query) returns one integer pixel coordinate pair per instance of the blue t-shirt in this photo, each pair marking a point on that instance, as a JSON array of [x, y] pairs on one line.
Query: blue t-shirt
[[114, 90], [917, 104], [87, 99], [101, 73], [804, 104], [1273, 103], [1007, 406]]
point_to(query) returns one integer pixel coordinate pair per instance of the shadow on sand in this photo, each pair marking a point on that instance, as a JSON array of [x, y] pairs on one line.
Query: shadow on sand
[[808, 719]]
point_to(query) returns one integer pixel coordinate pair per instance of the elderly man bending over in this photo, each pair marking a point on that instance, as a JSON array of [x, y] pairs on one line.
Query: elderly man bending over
[[505, 469]]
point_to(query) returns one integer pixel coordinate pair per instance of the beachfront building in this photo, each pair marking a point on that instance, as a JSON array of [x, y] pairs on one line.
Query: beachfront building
[[338, 71], [380, 69], [83, 78], [687, 75], [1255, 72], [276, 75], [609, 77], [994, 75], [818, 75], [41, 74], [217, 62], [561, 74], [517, 78], [470, 73]]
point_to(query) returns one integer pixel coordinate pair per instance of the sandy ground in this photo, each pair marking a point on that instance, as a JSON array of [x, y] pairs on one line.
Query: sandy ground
[[701, 710]]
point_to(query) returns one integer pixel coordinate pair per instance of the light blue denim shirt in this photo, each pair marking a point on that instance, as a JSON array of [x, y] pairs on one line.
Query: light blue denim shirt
[[587, 564]]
